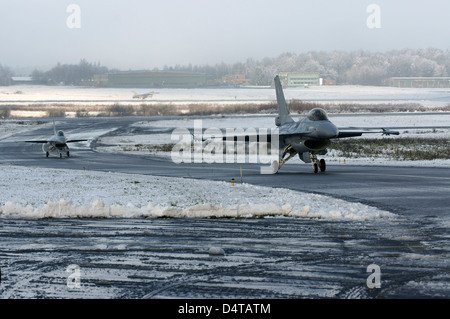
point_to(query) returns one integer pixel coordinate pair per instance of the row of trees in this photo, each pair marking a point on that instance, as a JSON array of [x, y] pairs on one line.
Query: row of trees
[[69, 74], [355, 67], [5, 75]]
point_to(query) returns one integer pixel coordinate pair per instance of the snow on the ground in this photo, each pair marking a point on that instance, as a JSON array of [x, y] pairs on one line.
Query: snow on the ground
[[55, 193], [25, 94], [9, 128]]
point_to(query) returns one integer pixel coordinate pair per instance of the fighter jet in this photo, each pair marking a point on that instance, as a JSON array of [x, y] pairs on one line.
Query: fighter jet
[[310, 136], [56, 143], [144, 95]]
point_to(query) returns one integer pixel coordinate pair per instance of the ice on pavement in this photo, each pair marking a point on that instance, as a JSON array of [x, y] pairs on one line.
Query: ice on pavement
[[56, 193]]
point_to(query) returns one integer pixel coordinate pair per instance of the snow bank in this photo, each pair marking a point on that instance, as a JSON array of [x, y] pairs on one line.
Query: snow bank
[[54, 193]]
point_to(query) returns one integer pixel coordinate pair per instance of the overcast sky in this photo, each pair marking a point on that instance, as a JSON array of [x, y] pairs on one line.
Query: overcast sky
[[138, 34]]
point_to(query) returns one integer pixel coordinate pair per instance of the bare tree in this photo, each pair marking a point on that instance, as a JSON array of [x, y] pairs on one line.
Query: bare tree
[[5, 75]]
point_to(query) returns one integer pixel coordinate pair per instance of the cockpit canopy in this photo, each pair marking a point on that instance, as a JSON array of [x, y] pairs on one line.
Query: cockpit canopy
[[318, 114], [60, 133]]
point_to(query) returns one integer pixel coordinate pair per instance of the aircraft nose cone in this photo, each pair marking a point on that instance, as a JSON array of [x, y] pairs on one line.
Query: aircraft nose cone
[[328, 130]]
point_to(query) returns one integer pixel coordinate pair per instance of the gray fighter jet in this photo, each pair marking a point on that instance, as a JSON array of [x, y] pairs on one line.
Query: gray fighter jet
[[144, 95], [56, 143], [310, 136]]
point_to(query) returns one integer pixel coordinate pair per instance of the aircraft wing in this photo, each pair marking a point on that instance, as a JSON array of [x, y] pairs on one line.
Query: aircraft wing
[[384, 131], [261, 138], [348, 134], [268, 138], [300, 134], [243, 138], [45, 141], [246, 138], [37, 141]]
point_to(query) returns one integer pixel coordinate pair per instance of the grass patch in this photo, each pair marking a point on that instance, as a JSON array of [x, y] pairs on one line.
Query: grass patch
[[120, 110], [56, 112], [205, 109], [400, 149], [5, 112]]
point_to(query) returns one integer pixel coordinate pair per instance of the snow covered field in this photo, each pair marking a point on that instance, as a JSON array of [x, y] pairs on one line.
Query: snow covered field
[[9, 128], [22, 94], [134, 196]]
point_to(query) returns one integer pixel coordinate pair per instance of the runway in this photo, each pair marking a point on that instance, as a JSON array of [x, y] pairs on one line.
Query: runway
[[264, 258]]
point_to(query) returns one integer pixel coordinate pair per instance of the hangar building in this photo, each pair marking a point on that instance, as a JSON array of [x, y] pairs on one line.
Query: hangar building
[[419, 82], [147, 79], [300, 79]]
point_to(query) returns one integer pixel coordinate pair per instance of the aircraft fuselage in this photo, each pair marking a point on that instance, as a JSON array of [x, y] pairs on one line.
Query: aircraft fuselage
[[317, 138]]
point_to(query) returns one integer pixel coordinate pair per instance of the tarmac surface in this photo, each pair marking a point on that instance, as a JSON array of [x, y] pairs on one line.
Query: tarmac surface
[[259, 258]]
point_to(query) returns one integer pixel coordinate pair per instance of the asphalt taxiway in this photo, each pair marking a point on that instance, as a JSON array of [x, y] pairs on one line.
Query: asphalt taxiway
[[410, 191], [269, 258]]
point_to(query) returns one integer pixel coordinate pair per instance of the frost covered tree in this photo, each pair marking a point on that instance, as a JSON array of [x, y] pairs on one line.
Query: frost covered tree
[[355, 67], [5, 75], [69, 74]]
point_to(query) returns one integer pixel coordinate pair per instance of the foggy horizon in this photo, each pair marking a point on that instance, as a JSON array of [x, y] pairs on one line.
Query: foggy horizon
[[136, 35]]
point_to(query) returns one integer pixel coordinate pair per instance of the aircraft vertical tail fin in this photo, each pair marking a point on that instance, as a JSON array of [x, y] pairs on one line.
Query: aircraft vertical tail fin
[[283, 112], [54, 127]]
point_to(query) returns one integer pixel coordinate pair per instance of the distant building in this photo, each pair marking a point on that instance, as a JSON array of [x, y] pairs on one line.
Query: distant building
[[419, 82], [235, 79], [300, 79], [22, 80], [100, 80], [329, 82], [147, 79]]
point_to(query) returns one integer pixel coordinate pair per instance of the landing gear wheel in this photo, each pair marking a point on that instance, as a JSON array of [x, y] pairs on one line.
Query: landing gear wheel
[[322, 165], [47, 154], [68, 154], [316, 168], [60, 155]]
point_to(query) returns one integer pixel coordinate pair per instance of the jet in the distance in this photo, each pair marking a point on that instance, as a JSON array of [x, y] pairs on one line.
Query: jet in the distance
[[56, 143], [144, 95]]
